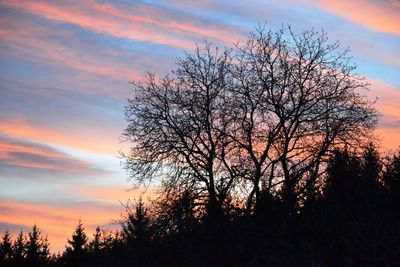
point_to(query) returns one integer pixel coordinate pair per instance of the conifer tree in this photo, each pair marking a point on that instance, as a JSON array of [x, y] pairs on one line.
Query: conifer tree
[[343, 174], [37, 249], [96, 244], [391, 179], [372, 165], [109, 239], [373, 197], [136, 223], [76, 252], [19, 250], [5, 249], [392, 175]]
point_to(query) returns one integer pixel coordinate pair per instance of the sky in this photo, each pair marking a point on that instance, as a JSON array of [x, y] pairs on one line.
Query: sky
[[65, 68]]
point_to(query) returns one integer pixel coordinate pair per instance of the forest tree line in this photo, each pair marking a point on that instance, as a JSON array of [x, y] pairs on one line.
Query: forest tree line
[[352, 220]]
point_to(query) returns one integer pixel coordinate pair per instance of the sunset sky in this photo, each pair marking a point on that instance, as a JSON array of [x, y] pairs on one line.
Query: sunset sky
[[65, 68]]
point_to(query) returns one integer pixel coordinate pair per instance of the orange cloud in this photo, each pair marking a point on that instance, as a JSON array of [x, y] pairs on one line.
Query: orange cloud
[[58, 221], [99, 205], [388, 104], [381, 16], [388, 97], [76, 139], [389, 139]]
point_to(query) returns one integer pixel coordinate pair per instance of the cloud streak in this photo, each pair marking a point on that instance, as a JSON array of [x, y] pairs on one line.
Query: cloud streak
[[23, 154], [158, 25], [35, 44], [381, 16], [95, 205], [388, 104], [88, 141], [57, 221]]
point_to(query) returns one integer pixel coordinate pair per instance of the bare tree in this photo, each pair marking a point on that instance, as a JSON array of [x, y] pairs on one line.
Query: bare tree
[[262, 116], [176, 125], [296, 99]]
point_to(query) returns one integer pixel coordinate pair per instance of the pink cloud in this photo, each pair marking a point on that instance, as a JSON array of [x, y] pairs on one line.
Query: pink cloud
[[388, 97], [17, 153], [30, 42], [388, 104], [141, 22], [381, 16]]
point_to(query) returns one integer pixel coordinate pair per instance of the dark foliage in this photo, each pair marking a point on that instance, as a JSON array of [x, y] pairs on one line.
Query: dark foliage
[[19, 251], [77, 251], [353, 220], [37, 248], [5, 250]]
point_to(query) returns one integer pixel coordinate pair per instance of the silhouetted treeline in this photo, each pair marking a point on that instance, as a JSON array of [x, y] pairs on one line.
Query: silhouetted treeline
[[351, 219]]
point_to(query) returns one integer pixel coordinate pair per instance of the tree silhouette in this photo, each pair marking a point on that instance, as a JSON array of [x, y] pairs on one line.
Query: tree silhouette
[[37, 249], [372, 164], [175, 213], [263, 116], [297, 100], [177, 125], [392, 177], [19, 250], [5, 249], [76, 252], [350, 220], [136, 225], [95, 245]]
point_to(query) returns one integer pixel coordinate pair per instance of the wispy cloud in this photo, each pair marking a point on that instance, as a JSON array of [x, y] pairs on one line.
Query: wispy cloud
[[381, 16], [137, 21], [89, 142], [57, 220], [388, 104], [388, 98], [22, 154], [32, 42], [94, 204]]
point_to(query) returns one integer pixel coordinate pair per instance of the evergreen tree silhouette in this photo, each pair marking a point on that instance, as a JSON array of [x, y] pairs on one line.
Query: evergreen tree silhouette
[[96, 244], [354, 210], [76, 252], [137, 224], [6, 249], [392, 179], [19, 250], [110, 240], [372, 164], [37, 249], [175, 212]]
